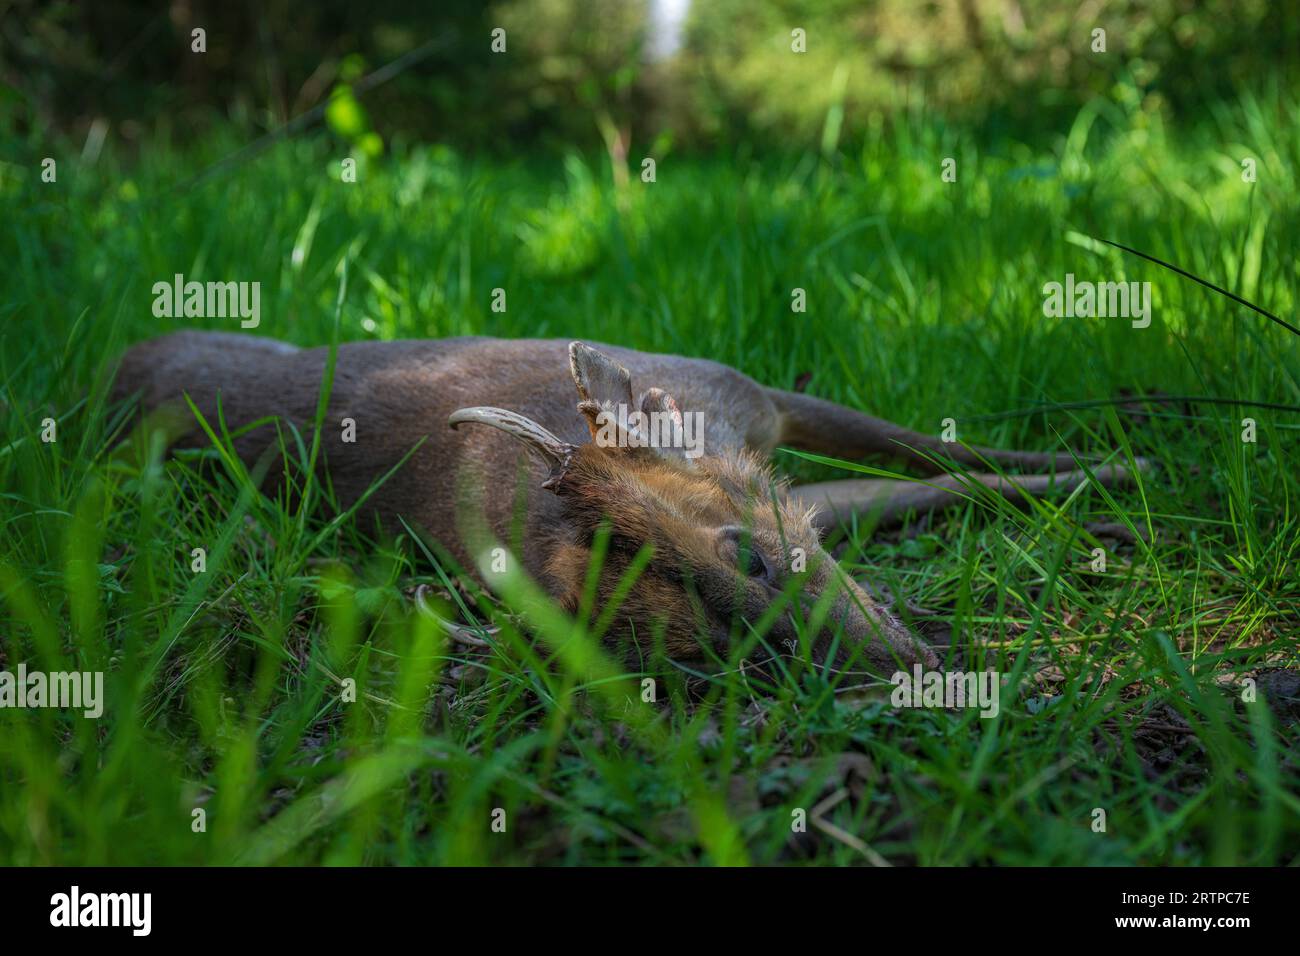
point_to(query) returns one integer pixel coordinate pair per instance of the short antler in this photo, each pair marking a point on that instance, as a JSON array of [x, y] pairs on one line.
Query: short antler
[[554, 452]]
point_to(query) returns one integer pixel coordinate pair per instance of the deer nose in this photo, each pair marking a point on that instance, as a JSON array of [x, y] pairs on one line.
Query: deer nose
[[897, 648], [873, 636]]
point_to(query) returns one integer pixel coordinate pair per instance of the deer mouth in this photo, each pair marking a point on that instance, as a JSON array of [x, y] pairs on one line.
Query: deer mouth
[[858, 636]]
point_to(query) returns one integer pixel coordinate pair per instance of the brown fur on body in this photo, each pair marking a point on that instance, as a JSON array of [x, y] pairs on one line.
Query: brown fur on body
[[402, 392], [723, 533]]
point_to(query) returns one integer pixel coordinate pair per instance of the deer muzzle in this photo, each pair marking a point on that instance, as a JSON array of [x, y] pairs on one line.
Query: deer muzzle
[[870, 637]]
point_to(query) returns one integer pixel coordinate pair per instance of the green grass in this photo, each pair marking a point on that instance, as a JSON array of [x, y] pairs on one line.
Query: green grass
[[924, 302]]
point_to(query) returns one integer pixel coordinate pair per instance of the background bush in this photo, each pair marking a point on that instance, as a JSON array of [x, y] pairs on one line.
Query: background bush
[[577, 69]]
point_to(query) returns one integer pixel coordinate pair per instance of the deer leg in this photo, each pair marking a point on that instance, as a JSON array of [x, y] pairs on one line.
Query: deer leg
[[890, 500], [813, 424]]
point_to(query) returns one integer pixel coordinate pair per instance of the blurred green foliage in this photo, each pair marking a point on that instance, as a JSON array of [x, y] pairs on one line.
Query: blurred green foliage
[[577, 72], [1006, 60]]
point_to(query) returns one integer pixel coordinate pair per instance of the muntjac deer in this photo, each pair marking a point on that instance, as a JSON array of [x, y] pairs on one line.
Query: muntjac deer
[[561, 416]]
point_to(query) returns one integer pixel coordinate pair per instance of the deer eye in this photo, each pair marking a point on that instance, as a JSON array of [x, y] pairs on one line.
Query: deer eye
[[753, 563], [756, 564], [748, 557]]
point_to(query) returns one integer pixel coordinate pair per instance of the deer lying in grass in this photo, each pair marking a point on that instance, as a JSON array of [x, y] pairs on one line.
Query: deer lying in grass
[[725, 536]]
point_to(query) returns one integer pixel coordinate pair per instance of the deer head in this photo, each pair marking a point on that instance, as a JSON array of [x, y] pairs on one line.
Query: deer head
[[727, 546]]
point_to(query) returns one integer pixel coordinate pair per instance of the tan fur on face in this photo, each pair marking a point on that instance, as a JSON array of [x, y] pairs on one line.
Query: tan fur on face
[[697, 517], [690, 586]]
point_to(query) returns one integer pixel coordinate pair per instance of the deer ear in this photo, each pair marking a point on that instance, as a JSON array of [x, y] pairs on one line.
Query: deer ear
[[657, 400], [603, 384], [657, 405], [605, 388]]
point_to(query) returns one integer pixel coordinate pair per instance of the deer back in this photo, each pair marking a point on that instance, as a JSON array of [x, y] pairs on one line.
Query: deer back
[[399, 394]]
